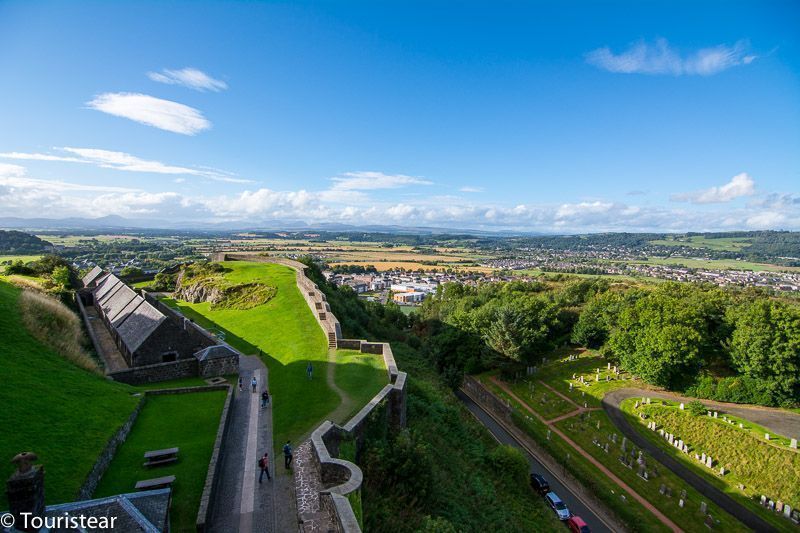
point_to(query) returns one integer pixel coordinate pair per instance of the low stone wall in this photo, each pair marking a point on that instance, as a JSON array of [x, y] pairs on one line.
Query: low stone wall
[[220, 366], [182, 368], [88, 327], [212, 479], [340, 477], [104, 459]]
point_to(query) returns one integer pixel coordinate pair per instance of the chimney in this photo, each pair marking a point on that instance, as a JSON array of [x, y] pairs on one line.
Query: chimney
[[25, 488]]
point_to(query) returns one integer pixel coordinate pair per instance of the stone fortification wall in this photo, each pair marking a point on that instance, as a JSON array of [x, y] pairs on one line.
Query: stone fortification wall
[[140, 375], [313, 296], [339, 477]]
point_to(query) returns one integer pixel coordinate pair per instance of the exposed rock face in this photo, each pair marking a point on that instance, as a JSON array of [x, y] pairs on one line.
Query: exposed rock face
[[202, 291], [221, 294]]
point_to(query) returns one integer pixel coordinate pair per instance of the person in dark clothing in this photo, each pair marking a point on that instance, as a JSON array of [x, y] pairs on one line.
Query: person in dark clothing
[[264, 398], [263, 464], [287, 455], [254, 383], [309, 370]]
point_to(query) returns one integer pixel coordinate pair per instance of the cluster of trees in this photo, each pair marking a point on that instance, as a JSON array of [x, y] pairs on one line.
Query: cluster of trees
[[57, 273], [354, 269], [18, 242], [672, 334]]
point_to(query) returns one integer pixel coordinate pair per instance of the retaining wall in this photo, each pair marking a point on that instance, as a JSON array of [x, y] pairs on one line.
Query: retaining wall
[[139, 375]]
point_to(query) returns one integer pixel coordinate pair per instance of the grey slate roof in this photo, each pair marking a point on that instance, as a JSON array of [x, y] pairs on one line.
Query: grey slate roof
[[145, 511], [215, 352], [93, 274], [108, 283], [139, 325], [115, 301]]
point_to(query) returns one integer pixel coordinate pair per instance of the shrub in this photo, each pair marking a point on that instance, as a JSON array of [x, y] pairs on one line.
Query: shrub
[[512, 464], [696, 408], [53, 324]]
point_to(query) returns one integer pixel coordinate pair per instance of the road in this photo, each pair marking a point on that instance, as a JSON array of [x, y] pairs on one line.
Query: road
[[611, 403], [574, 503]]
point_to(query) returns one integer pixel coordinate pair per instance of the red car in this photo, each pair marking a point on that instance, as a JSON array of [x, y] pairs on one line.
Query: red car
[[577, 525]]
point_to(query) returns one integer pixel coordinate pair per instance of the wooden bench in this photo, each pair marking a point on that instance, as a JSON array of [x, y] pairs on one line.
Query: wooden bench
[[155, 483], [161, 457]]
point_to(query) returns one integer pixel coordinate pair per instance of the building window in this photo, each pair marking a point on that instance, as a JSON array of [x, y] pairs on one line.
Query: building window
[[168, 357]]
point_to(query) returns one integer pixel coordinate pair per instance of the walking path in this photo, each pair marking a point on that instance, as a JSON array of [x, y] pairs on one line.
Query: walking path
[[649, 506], [242, 504], [611, 403], [347, 404], [578, 409]]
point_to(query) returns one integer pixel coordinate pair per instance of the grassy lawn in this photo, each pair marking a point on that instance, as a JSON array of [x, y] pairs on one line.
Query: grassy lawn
[[50, 406], [287, 336], [768, 468], [362, 375], [688, 518], [186, 421]]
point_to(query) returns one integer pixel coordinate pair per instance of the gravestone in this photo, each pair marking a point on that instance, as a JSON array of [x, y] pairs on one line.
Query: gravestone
[[703, 507], [662, 489], [709, 522], [608, 378], [570, 387], [608, 366], [669, 492], [685, 448], [614, 438], [779, 507], [681, 503], [793, 443], [709, 462], [636, 405], [715, 414], [597, 377], [763, 500], [585, 405], [598, 424], [624, 442], [771, 505], [722, 471], [741, 426], [766, 436], [573, 376], [671, 439], [681, 406], [683, 494], [548, 434], [605, 448], [703, 458], [787, 510]]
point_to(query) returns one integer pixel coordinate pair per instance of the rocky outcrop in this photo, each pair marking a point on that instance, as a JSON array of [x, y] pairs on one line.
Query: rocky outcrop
[[201, 291]]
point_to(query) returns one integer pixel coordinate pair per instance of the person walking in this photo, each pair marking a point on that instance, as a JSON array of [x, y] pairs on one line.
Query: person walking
[[287, 455], [264, 398], [263, 464], [254, 383], [241, 384], [309, 370]]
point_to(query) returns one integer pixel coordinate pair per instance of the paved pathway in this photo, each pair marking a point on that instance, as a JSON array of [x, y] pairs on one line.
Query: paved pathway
[[613, 477], [242, 504], [611, 403]]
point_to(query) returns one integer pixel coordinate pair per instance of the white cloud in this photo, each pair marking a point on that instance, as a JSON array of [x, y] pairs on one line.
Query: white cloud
[[188, 77], [660, 58], [145, 109], [366, 181], [123, 161], [469, 188], [766, 220], [740, 185]]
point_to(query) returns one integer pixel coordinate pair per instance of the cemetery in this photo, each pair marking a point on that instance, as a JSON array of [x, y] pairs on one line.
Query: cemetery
[[744, 459]]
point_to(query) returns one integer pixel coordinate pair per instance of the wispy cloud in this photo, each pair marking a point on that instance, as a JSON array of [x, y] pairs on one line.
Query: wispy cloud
[[145, 109], [469, 188], [366, 181], [740, 185], [661, 58], [122, 161], [188, 77]]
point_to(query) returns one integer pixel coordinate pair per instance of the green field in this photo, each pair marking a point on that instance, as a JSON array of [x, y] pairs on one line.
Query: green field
[[23, 258], [768, 468], [351, 376], [722, 244], [186, 421], [718, 264], [287, 336], [51, 407]]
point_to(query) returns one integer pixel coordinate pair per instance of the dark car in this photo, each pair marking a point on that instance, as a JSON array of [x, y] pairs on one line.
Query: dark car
[[539, 484], [577, 525]]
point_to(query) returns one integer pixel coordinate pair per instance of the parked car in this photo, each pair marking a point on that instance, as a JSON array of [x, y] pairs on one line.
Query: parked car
[[539, 484], [558, 506], [577, 525]]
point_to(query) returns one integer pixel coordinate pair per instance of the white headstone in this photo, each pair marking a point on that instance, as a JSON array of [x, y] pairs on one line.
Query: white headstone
[[685, 448], [787, 510], [793, 443], [741, 426], [763, 500], [597, 377], [548, 434], [681, 406], [766, 436], [703, 458], [608, 366], [709, 462], [681, 503], [722, 471], [715, 414], [703, 507]]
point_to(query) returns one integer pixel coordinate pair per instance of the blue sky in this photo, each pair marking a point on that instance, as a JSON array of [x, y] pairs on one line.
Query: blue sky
[[549, 116]]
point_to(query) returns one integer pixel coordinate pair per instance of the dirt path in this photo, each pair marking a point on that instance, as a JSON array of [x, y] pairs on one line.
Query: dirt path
[[649, 506], [347, 405]]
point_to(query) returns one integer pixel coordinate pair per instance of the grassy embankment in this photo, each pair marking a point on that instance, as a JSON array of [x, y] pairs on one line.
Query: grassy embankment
[[186, 421], [584, 432], [287, 336], [763, 467], [45, 407]]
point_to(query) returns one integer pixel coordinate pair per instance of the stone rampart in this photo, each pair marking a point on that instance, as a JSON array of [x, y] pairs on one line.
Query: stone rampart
[[139, 375]]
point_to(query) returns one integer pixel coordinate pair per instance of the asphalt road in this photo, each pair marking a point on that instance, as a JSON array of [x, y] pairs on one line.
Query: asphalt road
[[611, 403], [575, 505]]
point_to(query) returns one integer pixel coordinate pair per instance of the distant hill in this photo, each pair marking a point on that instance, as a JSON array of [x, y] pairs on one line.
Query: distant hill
[[18, 242]]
